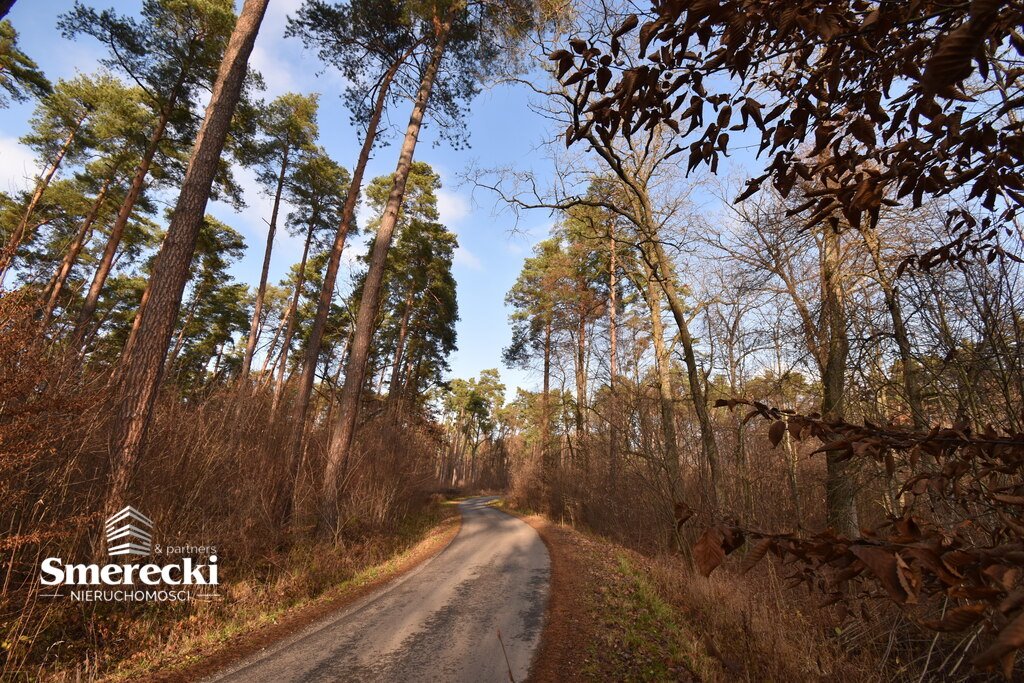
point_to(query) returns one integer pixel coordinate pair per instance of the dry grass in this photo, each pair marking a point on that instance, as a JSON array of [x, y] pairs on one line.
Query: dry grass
[[748, 627]]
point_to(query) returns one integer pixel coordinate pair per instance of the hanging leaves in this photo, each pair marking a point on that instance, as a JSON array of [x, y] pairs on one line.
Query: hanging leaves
[[910, 560], [880, 89]]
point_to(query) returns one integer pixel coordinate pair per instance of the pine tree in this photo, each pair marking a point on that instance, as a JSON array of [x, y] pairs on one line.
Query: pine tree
[[20, 77], [144, 365], [172, 52], [287, 128], [461, 50]]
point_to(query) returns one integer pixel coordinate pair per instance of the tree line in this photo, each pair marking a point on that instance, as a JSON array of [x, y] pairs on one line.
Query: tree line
[[149, 299]]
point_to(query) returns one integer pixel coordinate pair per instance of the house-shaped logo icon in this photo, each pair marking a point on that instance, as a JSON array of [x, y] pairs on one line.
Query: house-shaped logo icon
[[128, 533]]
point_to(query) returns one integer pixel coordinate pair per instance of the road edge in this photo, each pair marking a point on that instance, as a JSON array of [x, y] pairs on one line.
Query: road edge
[[551, 660], [246, 645]]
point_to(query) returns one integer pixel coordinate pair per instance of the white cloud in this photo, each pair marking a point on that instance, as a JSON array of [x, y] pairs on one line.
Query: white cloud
[[452, 207], [464, 257], [276, 73], [17, 166]]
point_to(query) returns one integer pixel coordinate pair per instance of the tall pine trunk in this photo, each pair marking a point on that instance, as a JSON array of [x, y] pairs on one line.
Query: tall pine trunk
[[106, 264], [60, 278], [289, 329], [143, 368], [581, 380], [547, 455], [316, 335], [403, 330], [7, 256], [261, 291], [348, 407]]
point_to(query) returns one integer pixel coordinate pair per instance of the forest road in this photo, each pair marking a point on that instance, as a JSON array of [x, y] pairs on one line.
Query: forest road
[[440, 622]]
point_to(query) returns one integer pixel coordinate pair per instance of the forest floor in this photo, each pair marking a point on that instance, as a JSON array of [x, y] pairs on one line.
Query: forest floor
[[616, 614]]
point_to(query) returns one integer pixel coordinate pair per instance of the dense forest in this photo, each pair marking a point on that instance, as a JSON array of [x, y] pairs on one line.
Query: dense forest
[[776, 328]]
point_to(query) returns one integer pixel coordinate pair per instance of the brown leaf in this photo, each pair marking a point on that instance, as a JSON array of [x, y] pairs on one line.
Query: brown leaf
[[882, 564], [951, 61], [776, 432], [627, 25], [1007, 499], [909, 580], [755, 555], [957, 619], [708, 552]]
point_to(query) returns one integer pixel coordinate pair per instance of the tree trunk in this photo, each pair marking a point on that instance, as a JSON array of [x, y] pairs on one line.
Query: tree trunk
[[180, 341], [74, 249], [664, 273], [7, 256], [144, 366], [270, 351], [348, 408], [323, 308], [612, 358], [911, 379], [839, 489], [581, 380], [663, 368], [261, 291], [546, 451], [403, 330], [289, 329], [106, 263], [337, 379]]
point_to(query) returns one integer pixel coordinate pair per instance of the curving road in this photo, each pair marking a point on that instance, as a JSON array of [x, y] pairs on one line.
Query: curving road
[[440, 622]]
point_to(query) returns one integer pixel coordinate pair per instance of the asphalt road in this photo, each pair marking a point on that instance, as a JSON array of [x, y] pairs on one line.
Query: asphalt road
[[440, 622]]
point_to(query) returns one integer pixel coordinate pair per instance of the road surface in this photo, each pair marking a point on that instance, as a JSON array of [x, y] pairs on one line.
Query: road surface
[[440, 622]]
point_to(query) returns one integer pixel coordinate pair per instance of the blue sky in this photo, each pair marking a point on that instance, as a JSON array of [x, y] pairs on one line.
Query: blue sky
[[502, 132]]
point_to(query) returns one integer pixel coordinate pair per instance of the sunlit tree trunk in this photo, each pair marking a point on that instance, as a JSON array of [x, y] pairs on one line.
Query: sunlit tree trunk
[[179, 343], [261, 291], [664, 273], [348, 405], [304, 391], [581, 380], [290, 316], [839, 487], [613, 332], [403, 330], [911, 374], [666, 394], [144, 366], [547, 452], [106, 264], [74, 249]]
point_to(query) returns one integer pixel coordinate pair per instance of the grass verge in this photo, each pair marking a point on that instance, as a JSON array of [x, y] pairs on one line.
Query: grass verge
[[618, 615]]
